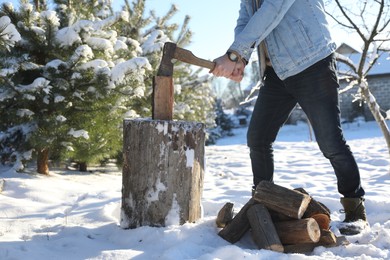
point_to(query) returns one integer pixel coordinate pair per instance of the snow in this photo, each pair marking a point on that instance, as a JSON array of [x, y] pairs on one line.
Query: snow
[[119, 72], [8, 31], [50, 17], [24, 112], [162, 127], [190, 156], [74, 215], [38, 83], [154, 41], [78, 133]]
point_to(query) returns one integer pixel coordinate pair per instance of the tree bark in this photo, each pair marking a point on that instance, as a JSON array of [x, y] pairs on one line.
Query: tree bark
[[239, 225], [225, 215], [163, 89], [263, 230], [374, 108], [163, 172], [299, 231], [280, 199], [43, 161], [82, 166]]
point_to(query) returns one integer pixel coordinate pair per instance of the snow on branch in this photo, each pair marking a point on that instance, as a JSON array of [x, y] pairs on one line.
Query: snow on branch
[[347, 61], [78, 133], [154, 42], [119, 72], [250, 96], [38, 84], [70, 35], [8, 33], [50, 18]]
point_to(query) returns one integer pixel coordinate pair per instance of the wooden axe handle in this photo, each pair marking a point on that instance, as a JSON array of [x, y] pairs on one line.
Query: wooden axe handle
[[188, 57]]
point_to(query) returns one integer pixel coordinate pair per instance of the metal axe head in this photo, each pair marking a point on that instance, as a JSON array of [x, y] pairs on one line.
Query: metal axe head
[[166, 65]]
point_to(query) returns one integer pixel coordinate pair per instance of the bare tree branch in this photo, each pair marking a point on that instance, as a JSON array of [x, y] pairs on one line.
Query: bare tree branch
[[353, 25]]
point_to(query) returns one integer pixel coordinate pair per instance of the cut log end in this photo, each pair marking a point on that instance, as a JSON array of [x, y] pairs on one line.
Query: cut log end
[[313, 230], [323, 221], [298, 231], [225, 215], [276, 247]]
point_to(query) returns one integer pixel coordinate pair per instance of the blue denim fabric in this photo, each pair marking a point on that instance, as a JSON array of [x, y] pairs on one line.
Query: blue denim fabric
[[295, 32], [316, 91]]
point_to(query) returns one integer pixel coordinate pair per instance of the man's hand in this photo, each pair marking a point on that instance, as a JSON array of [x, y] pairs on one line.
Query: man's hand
[[224, 67], [238, 72]]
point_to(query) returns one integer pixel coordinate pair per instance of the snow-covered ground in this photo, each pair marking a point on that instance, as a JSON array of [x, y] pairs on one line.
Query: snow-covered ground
[[72, 215]]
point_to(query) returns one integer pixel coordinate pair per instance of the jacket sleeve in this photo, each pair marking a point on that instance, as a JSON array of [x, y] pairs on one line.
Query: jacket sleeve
[[251, 30]]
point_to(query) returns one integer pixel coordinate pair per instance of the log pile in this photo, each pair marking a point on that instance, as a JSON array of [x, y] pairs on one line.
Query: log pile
[[281, 220]]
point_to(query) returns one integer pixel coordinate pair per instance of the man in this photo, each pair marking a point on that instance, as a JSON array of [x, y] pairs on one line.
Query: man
[[297, 66]]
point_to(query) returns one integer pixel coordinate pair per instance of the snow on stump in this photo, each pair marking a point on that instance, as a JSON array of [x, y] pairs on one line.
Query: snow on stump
[[163, 172]]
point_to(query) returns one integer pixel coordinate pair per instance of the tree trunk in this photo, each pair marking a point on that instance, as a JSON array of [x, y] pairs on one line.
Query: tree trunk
[[43, 161], [374, 108], [82, 166]]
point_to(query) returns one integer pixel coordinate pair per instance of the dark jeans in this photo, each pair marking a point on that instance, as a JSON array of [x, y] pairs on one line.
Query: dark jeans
[[316, 91]]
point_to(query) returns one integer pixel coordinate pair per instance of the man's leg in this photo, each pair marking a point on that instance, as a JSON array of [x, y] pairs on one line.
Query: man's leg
[[316, 90], [273, 106]]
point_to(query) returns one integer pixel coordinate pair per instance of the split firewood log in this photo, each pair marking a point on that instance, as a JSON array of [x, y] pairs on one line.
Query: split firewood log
[[225, 215], [239, 225], [280, 199]]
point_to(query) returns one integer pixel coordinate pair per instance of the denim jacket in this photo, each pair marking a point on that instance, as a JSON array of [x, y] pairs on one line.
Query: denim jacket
[[295, 33]]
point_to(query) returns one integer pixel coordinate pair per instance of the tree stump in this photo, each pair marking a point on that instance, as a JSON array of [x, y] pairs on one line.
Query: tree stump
[[163, 172]]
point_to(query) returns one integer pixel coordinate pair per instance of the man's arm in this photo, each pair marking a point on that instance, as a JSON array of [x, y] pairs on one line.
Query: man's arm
[[251, 30]]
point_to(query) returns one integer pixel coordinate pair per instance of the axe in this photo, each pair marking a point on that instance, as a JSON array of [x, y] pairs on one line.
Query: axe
[[172, 52], [162, 102]]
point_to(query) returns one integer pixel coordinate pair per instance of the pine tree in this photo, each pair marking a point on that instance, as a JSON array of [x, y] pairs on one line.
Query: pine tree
[[64, 92], [66, 87]]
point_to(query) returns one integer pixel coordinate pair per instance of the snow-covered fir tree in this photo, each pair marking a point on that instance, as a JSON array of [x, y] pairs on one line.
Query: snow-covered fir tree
[[68, 77]]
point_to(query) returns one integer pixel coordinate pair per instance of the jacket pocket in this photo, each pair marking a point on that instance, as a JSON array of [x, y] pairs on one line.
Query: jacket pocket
[[304, 39]]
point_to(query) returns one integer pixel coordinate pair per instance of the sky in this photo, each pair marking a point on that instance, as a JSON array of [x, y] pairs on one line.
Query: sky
[[212, 22]]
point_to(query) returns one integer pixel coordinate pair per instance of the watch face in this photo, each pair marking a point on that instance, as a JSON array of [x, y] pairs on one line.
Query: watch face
[[233, 57]]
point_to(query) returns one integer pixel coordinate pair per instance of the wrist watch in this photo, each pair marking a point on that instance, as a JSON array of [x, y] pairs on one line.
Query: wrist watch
[[232, 56]]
